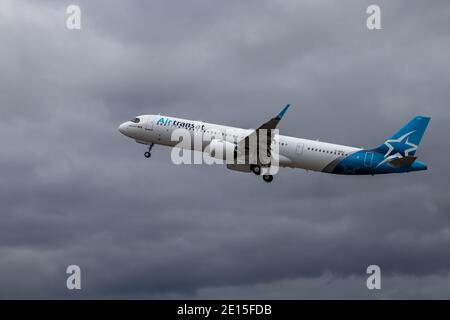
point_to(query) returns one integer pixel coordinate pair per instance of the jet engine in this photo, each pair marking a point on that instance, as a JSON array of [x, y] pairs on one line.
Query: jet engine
[[222, 150]]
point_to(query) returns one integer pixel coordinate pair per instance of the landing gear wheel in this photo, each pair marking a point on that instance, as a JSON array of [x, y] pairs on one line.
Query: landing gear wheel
[[148, 154], [268, 178], [256, 170]]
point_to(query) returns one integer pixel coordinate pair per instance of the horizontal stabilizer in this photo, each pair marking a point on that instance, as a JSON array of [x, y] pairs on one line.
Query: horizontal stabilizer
[[402, 162]]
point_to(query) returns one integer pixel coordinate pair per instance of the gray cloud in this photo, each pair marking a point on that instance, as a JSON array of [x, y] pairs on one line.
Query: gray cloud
[[74, 191]]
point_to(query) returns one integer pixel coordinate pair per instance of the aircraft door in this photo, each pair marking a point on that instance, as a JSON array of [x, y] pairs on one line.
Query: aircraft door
[[368, 159], [149, 124], [299, 149]]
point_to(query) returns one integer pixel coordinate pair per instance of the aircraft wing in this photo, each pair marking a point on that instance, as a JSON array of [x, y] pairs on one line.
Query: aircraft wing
[[263, 147]]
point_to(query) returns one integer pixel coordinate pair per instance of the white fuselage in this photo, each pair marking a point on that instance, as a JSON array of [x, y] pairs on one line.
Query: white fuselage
[[294, 152]]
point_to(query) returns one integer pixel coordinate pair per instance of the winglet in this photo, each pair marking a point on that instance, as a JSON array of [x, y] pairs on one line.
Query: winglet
[[273, 123], [281, 114]]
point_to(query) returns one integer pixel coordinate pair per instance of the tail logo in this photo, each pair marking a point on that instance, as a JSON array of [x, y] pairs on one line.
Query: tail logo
[[401, 146]]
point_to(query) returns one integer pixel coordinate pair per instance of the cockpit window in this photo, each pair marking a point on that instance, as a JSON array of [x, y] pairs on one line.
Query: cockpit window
[[135, 120]]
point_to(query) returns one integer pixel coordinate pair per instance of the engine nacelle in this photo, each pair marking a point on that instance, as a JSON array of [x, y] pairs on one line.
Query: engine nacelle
[[222, 150], [239, 167]]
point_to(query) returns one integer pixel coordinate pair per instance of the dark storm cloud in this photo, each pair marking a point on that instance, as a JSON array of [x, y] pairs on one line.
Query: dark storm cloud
[[74, 191]]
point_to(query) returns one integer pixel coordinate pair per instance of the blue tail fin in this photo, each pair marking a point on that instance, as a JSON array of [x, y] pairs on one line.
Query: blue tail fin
[[407, 139]]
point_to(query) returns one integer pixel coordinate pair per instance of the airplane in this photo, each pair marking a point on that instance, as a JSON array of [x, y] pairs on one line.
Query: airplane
[[396, 155]]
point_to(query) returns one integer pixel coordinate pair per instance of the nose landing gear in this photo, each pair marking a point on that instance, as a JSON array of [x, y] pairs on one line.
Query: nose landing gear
[[148, 154], [268, 178]]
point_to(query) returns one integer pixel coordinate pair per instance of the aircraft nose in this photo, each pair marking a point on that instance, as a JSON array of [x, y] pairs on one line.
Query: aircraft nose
[[122, 128]]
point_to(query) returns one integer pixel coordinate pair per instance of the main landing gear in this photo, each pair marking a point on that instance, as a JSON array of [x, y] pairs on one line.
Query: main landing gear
[[148, 154], [256, 169]]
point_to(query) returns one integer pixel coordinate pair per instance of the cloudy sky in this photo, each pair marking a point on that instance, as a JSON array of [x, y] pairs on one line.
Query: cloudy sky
[[73, 190]]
